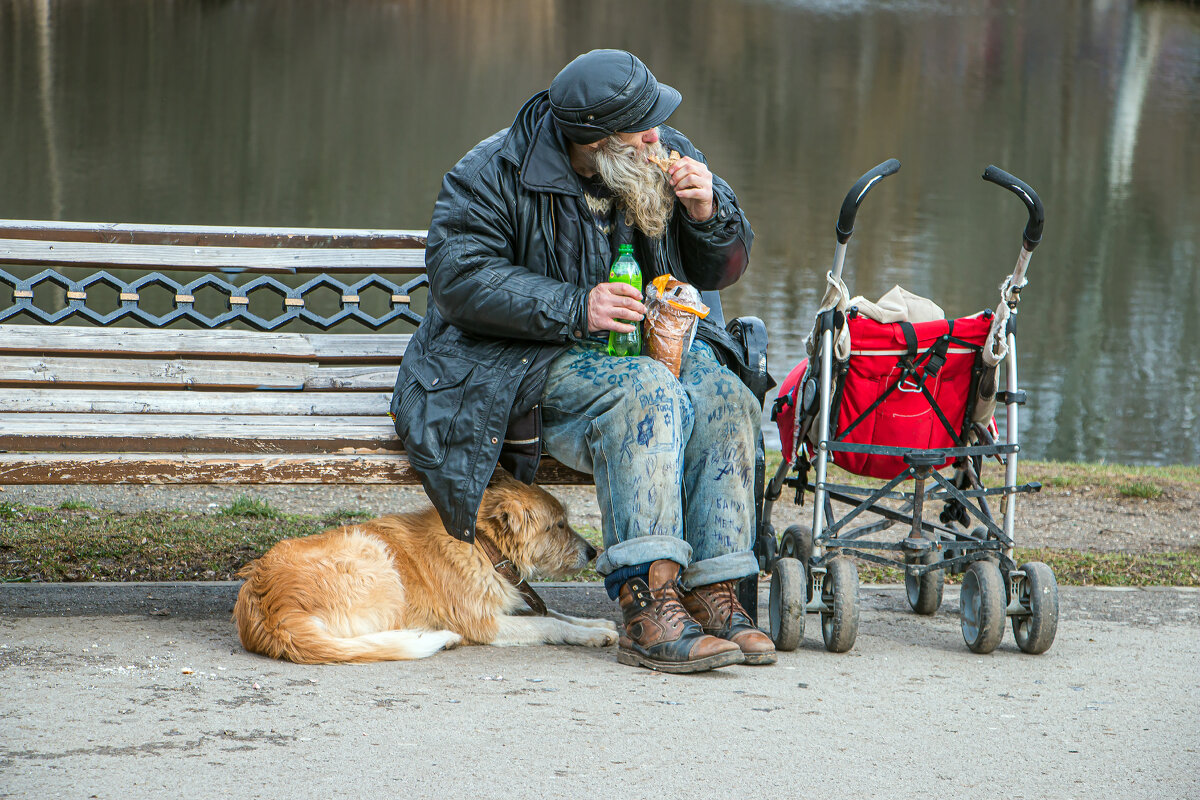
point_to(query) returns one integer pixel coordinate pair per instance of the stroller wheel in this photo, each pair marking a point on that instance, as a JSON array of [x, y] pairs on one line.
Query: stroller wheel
[[839, 594], [981, 607], [1037, 592], [766, 549], [925, 591], [797, 543], [786, 609]]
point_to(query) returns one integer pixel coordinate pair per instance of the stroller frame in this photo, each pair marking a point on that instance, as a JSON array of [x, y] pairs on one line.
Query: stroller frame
[[823, 581]]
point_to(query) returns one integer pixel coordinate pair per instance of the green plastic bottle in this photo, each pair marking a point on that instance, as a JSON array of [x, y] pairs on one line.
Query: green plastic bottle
[[626, 270]]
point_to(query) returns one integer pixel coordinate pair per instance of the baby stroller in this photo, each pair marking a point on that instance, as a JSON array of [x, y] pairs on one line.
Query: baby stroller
[[894, 392]]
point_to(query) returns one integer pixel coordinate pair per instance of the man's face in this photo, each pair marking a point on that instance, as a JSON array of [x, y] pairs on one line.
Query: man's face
[[639, 140], [646, 197]]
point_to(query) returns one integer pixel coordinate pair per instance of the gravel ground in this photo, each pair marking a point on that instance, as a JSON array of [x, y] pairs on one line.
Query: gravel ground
[[1086, 520]]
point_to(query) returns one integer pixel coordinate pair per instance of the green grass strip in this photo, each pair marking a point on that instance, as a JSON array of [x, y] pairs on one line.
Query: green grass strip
[[40, 544]]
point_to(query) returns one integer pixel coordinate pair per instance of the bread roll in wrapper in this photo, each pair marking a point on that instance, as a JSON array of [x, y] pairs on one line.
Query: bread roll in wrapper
[[673, 309]]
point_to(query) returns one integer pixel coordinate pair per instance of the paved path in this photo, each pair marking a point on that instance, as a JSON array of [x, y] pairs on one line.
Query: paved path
[[142, 691]]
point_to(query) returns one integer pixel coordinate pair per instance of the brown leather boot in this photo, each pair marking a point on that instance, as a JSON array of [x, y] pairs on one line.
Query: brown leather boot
[[719, 613], [660, 635]]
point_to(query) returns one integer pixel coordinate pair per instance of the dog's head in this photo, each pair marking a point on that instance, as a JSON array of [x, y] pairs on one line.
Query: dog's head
[[530, 527]]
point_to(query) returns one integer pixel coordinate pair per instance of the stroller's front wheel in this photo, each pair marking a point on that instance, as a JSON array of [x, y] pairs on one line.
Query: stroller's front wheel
[[786, 608], [839, 596], [981, 607], [1037, 592], [925, 591]]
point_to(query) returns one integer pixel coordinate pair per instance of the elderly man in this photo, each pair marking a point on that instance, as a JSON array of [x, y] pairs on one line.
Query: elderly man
[[510, 357]]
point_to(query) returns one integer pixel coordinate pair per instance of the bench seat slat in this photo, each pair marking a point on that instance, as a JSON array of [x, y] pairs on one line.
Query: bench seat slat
[[358, 347], [361, 378], [222, 468], [67, 340], [69, 370], [101, 401], [194, 433], [321, 347], [183, 257]]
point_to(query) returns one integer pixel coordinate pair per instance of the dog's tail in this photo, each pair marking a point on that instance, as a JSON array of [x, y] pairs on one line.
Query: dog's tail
[[296, 635]]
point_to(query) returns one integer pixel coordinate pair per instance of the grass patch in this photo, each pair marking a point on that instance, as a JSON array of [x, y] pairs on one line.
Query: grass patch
[[1113, 480], [1075, 568], [246, 506], [1146, 491], [37, 544], [43, 545], [74, 504]]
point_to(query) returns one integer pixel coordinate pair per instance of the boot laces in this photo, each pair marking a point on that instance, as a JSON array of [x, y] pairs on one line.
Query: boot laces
[[671, 608], [726, 600]]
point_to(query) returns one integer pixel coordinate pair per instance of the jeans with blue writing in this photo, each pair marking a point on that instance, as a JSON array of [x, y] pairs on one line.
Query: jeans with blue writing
[[673, 459]]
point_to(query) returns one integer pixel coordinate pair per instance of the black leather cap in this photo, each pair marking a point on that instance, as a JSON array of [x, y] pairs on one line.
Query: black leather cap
[[608, 91]]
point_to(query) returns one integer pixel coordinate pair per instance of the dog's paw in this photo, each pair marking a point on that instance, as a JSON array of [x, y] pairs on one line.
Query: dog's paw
[[594, 637], [608, 637], [448, 639]]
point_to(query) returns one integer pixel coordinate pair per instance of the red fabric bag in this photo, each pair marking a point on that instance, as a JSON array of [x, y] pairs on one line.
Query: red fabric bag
[[906, 418], [785, 414]]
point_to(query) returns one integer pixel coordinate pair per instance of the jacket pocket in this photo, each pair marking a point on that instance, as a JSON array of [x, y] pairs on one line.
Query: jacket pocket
[[429, 407]]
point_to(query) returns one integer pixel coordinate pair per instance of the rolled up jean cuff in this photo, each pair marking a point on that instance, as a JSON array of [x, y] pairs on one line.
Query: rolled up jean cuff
[[643, 550], [730, 566]]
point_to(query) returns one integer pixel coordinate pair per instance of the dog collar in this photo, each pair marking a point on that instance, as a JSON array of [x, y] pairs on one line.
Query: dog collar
[[508, 571]]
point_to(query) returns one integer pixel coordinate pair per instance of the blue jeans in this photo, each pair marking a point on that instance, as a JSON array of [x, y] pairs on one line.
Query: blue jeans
[[673, 459]]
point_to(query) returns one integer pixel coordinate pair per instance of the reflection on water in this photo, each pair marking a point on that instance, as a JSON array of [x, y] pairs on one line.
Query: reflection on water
[[335, 114]]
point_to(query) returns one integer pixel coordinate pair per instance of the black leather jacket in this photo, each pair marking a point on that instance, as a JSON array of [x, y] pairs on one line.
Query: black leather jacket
[[510, 259]]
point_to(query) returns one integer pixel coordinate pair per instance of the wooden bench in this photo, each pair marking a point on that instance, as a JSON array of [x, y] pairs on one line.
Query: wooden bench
[[153, 354], [148, 354]]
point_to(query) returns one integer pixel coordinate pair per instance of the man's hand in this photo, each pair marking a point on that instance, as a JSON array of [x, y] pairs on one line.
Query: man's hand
[[692, 183], [609, 303]]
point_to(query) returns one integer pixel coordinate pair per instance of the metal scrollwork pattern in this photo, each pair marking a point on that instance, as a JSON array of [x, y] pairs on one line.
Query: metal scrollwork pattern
[[129, 294]]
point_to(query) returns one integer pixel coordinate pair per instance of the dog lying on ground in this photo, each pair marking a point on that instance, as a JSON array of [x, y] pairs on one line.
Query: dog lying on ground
[[400, 587]]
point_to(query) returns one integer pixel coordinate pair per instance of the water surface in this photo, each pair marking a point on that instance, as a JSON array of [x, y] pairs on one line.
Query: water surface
[[340, 114]]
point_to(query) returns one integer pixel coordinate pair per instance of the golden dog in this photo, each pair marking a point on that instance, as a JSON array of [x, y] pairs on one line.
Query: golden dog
[[399, 587]]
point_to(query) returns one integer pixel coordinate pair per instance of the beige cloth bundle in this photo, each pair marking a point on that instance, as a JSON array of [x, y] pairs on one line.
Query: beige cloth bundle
[[672, 310]]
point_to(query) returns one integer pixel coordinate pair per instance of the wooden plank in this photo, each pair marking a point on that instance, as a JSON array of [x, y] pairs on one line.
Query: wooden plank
[[283, 403], [325, 347], [194, 433], [147, 468], [356, 378], [127, 233], [180, 257], [67, 340], [358, 347], [150, 372]]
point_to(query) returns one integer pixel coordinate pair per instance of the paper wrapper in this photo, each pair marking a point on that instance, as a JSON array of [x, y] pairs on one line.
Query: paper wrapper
[[672, 311]]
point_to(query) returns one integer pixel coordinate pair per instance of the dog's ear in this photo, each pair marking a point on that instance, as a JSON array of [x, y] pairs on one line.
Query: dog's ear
[[515, 514], [501, 508]]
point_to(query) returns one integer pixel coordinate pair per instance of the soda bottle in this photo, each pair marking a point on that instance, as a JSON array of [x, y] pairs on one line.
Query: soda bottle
[[626, 270]]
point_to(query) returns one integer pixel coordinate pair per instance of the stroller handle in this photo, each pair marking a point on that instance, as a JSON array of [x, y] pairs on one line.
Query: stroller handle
[[845, 224], [1037, 215]]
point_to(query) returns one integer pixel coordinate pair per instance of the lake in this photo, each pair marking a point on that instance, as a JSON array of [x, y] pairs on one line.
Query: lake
[[346, 114]]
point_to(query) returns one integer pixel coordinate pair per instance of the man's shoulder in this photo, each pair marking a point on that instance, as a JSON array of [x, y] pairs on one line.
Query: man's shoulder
[[486, 153]]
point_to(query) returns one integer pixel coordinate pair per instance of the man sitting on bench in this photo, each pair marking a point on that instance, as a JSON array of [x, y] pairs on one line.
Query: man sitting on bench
[[511, 354]]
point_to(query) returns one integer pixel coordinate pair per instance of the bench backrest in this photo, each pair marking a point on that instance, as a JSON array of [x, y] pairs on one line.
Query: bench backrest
[[102, 353]]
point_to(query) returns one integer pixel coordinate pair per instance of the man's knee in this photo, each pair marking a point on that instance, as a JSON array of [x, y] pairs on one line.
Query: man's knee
[[720, 398], [651, 383], [747, 405], [649, 411]]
